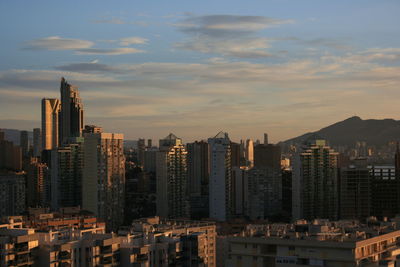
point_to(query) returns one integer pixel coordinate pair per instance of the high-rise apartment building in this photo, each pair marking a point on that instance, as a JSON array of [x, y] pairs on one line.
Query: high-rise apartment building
[[66, 174], [103, 181], [37, 184], [264, 193], [24, 143], [71, 113], [385, 194], [266, 139], [198, 177], [355, 190], [171, 173], [319, 171], [12, 194], [141, 148], [10, 156], [50, 123], [235, 155], [249, 153], [267, 156], [37, 142], [220, 184]]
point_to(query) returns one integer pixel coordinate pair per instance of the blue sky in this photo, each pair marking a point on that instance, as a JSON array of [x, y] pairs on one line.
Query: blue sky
[[147, 68]]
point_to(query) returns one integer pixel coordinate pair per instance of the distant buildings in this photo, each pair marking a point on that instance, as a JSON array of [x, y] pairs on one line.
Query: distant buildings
[[37, 142], [24, 143], [171, 176], [10, 155], [220, 183], [249, 153]]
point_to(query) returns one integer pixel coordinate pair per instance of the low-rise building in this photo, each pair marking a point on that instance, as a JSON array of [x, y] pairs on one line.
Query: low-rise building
[[159, 242], [321, 243]]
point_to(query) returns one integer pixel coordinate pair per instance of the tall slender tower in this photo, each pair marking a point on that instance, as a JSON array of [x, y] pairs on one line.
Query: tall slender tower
[[171, 171], [71, 116], [50, 123], [198, 177], [220, 184]]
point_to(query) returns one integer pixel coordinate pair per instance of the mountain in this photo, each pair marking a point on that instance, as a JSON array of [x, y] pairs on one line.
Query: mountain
[[351, 130]]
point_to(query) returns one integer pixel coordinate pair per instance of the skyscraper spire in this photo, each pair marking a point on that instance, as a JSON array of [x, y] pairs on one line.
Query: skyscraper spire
[[71, 116]]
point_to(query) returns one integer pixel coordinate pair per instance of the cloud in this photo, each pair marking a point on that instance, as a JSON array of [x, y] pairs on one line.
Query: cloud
[[241, 48], [110, 21], [85, 67], [328, 43], [84, 47], [227, 35], [58, 43], [227, 25], [132, 40], [109, 52]]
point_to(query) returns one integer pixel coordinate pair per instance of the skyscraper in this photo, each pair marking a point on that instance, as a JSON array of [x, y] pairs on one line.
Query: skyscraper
[[267, 156], [220, 185], [266, 139], [103, 181], [71, 116], [319, 172], [24, 143], [171, 172], [355, 190], [249, 153], [37, 184], [50, 123], [66, 174], [37, 142], [198, 177]]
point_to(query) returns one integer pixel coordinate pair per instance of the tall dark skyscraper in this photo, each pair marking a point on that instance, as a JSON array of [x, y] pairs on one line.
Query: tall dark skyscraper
[[71, 115], [267, 156], [198, 177], [24, 143]]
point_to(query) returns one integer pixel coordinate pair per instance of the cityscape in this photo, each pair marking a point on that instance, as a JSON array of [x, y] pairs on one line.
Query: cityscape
[[187, 134]]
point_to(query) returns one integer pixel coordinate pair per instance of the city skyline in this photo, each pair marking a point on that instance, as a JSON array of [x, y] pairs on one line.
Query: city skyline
[[194, 69]]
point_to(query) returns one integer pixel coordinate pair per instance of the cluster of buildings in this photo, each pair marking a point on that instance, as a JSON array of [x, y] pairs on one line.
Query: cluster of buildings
[[74, 238], [69, 164], [189, 188]]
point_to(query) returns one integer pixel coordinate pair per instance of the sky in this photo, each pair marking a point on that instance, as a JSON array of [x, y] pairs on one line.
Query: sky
[[194, 68]]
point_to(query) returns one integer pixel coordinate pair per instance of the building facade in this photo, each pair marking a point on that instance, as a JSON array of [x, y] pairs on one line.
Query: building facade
[[50, 123], [220, 183], [319, 171], [103, 180], [171, 176], [71, 112]]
